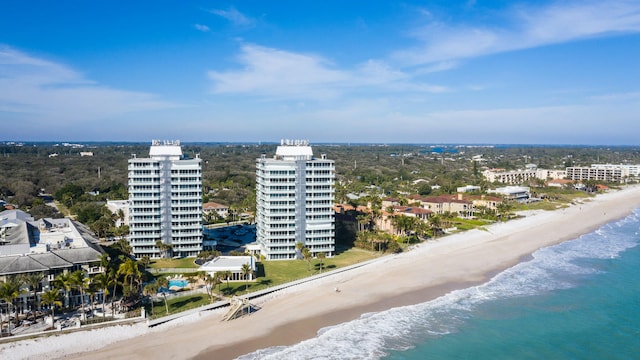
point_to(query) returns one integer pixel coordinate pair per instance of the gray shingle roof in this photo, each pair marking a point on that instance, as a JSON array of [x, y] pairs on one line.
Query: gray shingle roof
[[79, 255], [19, 264], [50, 260]]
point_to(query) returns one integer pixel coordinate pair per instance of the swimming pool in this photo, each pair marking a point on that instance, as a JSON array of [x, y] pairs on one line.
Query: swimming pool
[[178, 282]]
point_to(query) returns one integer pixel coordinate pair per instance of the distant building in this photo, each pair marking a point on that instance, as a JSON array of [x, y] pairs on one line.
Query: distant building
[[86, 153], [512, 192], [165, 195], [468, 188], [294, 195], [517, 177], [604, 172], [455, 204], [116, 206], [215, 208]]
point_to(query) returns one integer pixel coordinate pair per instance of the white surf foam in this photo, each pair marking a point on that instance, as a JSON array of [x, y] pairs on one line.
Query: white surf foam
[[552, 268]]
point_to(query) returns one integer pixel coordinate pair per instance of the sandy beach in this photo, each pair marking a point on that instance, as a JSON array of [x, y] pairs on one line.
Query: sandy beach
[[426, 272]]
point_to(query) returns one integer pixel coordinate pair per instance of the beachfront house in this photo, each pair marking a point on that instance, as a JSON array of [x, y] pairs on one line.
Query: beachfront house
[[455, 204], [233, 264], [518, 193]]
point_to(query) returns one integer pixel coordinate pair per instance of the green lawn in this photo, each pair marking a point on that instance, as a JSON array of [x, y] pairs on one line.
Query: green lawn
[[179, 304], [173, 263], [269, 273]]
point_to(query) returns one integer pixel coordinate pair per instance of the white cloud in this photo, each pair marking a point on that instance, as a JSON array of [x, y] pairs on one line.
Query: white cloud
[[234, 16], [275, 73], [38, 88], [203, 28], [525, 27]]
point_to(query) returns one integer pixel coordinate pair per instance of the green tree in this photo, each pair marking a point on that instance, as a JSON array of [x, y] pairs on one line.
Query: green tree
[[435, 224], [306, 254], [246, 273], [33, 280], [130, 271], [210, 284], [103, 282], [9, 292], [51, 298], [227, 275], [64, 282], [80, 282], [150, 290], [163, 282]]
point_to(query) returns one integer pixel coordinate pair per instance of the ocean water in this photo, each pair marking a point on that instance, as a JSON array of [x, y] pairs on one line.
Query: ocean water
[[576, 300]]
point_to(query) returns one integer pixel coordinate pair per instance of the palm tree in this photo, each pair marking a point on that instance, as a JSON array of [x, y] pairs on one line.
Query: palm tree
[[210, 284], [434, 223], [362, 222], [162, 248], [227, 276], [504, 209], [321, 256], [113, 280], [246, 273], [63, 281], [145, 261], [78, 281], [103, 281], [163, 282], [33, 280], [51, 297], [299, 247], [9, 292], [150, 290], [130, 271], [220, 277], [123, 246], [306, 254]]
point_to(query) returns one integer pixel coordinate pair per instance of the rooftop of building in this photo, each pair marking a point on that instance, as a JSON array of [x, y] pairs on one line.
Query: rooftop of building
[[227, 263]]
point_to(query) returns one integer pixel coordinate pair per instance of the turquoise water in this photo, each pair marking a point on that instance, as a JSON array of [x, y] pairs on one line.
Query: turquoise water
[[178, 282], [593, 314], [576, 300]]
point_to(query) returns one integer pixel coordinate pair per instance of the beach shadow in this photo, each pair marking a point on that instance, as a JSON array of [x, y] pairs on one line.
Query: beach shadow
[[265, 282], [180, 304], [260, 270]]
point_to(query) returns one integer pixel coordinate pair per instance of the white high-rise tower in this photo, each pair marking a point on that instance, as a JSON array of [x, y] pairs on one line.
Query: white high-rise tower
[[294, 195], [165, 195]]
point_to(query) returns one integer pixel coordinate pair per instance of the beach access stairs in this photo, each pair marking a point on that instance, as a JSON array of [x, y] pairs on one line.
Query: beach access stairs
[[239, 307]]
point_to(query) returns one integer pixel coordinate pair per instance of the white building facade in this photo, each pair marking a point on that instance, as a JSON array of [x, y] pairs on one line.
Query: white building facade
[[165, 197], [604, 172], [294, 202]]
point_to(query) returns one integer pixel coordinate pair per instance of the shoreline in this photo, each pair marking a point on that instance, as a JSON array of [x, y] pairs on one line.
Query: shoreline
[[428, 271]]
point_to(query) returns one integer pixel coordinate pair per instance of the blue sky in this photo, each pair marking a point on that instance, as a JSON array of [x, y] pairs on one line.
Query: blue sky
[[558, 72]]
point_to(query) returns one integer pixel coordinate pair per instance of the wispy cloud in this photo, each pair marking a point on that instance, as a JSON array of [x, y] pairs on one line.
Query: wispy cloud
[[523, 27], [203, 28], [629, 96], [30, 86], [234, 16], [277, 73]]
